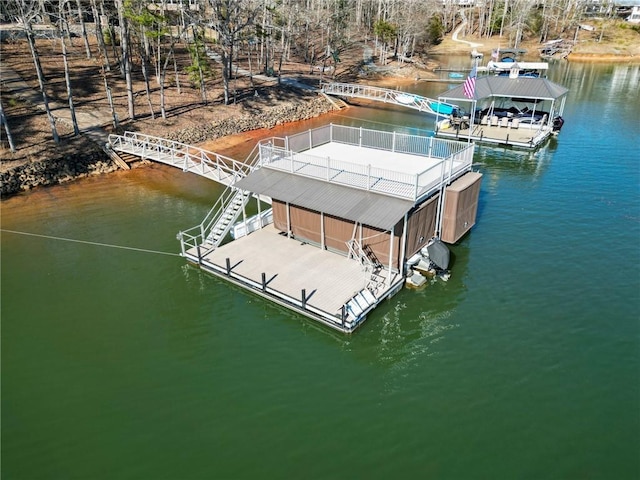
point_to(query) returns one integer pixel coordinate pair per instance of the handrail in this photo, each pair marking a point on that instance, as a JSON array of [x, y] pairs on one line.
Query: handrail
[[397, 97], [193, 159], [385, 181]]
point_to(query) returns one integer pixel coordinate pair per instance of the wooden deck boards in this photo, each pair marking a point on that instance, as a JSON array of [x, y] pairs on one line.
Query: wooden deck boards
[[290, 265]]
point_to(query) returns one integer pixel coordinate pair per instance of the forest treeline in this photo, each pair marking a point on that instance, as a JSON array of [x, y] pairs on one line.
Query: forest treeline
[[140, 36]]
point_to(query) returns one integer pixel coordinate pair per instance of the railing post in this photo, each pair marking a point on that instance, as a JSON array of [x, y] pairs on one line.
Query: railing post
[[360, 139], [310, 140], [393, 142], [328, 169], [369, 177], [182, 251]]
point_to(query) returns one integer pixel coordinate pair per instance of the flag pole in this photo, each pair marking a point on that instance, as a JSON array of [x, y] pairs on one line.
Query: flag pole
[[473, 103]]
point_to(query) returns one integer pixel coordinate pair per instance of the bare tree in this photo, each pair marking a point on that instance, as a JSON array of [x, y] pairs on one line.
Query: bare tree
[[3, 121], [83, 28], [230, 18], [61, 21], [126, 57], [25, 12]]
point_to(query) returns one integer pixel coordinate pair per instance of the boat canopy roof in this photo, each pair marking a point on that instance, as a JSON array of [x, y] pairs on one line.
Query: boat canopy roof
[[369, 208], [520, 87]]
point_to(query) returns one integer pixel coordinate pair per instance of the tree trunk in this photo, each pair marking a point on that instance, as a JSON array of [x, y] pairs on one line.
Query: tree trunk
[[83, 28], [41, 82], [114, 115], [67, 79], [126, 59], [100, 35], [3, 121]]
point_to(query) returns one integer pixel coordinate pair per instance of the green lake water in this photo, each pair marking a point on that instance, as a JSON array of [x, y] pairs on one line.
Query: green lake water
[[131, 364]]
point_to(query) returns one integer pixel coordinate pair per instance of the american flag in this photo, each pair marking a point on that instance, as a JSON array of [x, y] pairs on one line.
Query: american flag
[[469, 87]]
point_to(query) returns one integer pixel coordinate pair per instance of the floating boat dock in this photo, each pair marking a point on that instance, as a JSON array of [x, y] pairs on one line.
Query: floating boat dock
[[339, 212], [512, 110]]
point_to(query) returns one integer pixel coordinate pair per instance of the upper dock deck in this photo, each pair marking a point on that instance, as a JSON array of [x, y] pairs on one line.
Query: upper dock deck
[[394, 164]]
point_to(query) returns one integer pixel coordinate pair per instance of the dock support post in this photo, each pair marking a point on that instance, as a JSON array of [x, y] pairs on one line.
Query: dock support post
[[228, 266], [507, 140], [199, 255], [181, 238], [343, 314], [264, 281], [304, 298]]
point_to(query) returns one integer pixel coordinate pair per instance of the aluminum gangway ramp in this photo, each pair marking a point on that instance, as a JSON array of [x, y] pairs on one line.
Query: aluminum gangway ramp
[[188, 158], [395, 97]]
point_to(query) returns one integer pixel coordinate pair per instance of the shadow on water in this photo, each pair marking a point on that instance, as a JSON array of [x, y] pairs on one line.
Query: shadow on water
[[514, 161]]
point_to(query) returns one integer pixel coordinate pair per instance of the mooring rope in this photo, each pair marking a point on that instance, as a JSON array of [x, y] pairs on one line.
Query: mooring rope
[[144, 250]]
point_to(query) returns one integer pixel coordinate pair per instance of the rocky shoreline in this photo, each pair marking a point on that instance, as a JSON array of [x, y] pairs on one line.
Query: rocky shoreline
[[308, 106], [69, 167], [54, 171]]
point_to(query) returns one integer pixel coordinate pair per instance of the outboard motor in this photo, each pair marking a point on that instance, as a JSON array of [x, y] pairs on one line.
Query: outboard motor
[[558, 121]]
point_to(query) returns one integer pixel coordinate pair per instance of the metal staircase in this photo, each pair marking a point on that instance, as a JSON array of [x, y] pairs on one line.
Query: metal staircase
[[364, 300], [227, 215]]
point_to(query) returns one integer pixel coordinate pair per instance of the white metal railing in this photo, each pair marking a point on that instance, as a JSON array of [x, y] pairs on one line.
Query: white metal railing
[[189, 158], [451, 158], [396, 97]]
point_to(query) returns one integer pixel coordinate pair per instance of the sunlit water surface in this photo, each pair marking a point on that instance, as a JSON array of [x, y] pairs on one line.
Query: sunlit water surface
[[130, 364]]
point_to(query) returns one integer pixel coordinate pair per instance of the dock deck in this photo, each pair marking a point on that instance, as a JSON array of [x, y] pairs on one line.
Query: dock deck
[[519, 137], [290, 265]]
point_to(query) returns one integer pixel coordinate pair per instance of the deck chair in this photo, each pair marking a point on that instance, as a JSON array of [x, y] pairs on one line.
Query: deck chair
[[504, 122], [494, 121], [515, 123], [485, 120]]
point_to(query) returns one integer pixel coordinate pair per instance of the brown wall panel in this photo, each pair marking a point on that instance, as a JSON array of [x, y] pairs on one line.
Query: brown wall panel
[[460, 207], [305, 223], [279, 215], [421, 225], [377, 241], [337, 232]]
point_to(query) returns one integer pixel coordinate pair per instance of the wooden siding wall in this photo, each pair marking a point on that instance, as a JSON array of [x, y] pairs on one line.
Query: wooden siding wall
[[306, 224], [377, 242], [421, 225], [280, 215], [460, 207], [337, 232]]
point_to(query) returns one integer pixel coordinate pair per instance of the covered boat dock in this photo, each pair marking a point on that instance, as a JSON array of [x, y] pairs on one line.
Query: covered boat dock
[[348, 207], [506, 110]]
